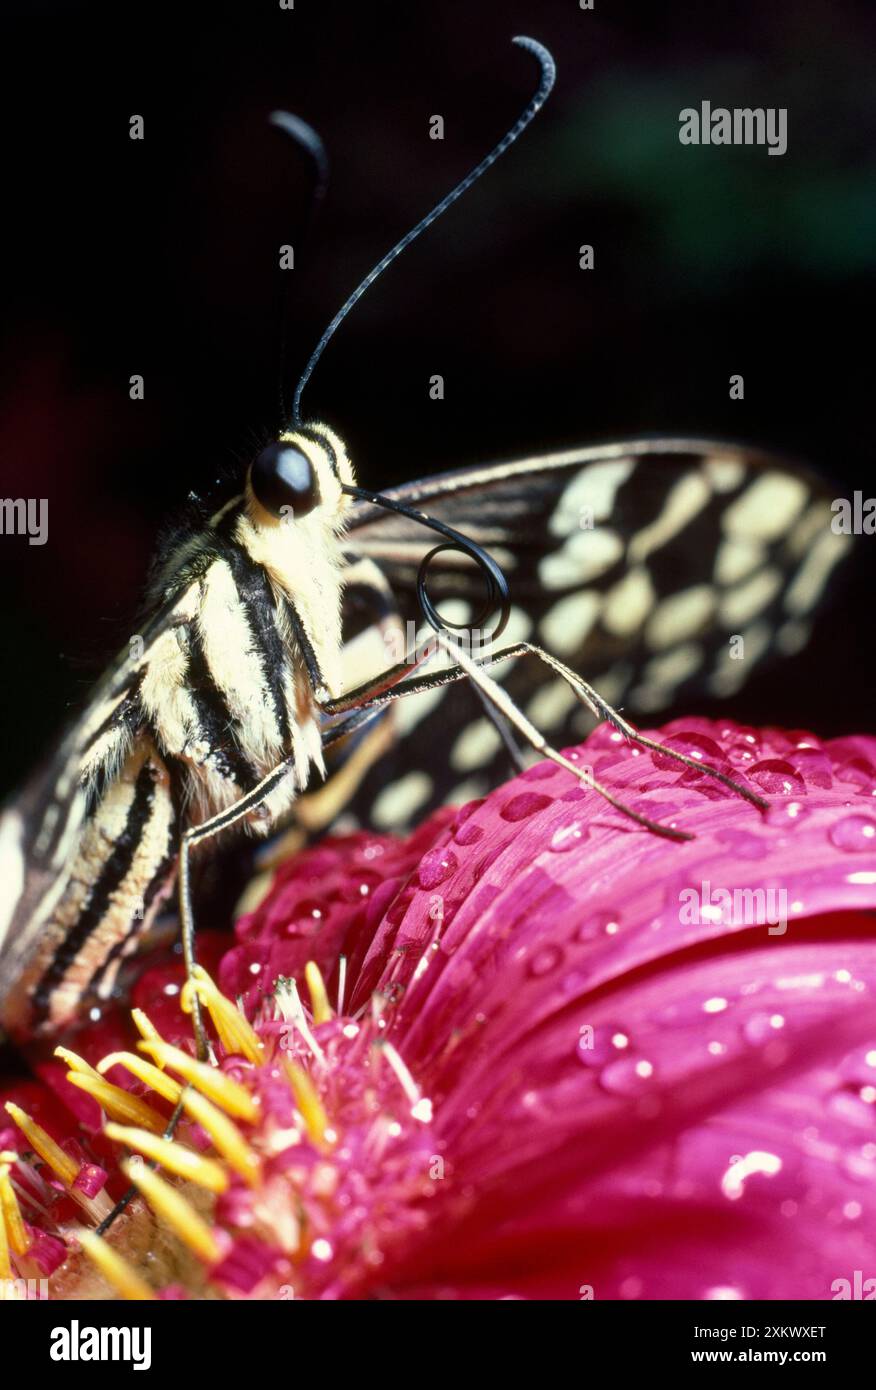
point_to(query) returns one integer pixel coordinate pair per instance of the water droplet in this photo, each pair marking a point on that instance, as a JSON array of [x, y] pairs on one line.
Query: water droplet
[[785, 813], [629, 1076], [567, 837], [524, 805], [693, 745], [596, 1047], [857, 772], [436, 866], [854, 833], [813, 765], [777, 777], [600, 924], [544, 961], [469, 834], [762, 1027]]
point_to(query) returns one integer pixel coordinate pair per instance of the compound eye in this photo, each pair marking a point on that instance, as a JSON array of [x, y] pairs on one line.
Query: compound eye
[[283, 476]]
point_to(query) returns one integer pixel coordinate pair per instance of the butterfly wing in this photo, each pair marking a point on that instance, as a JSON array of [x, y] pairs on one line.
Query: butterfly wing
[[652, 567], [41, 828]]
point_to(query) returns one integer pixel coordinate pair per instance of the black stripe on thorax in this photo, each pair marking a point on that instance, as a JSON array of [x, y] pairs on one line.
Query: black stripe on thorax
[[260, 611], [115, 869], [215, 720]]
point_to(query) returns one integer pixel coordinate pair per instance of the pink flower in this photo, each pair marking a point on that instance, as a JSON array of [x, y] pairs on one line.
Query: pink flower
[[537, 1051]]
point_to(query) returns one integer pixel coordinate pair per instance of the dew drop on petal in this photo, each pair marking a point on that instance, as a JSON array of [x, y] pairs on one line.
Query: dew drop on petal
[[777, 777], [854, 833], [597, 925], [627, 1077], [436, 866], [762, 1027], [785, 813], [524, 805], [600, 1045], [567, 837], [469, 834], [544, 961], [693, 745]]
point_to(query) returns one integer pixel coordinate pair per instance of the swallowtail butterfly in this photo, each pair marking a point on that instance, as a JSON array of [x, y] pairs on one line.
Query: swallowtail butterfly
[[284, 626]]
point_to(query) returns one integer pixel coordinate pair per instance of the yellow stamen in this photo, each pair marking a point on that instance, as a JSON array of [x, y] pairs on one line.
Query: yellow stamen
[[311, 1107], [61, 1164], [115, 1270], [144, 1025], [74, 1061], [216, 1084], [117, 1102], [10, 1214], [5, 1262], [225, 1135], [235, 1033], [172, 1206], [154, 1077], [322, 1009], [206, 1172]]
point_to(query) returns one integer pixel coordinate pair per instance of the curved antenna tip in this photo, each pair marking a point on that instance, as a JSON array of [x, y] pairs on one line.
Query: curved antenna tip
[[308, 139], [543, 54], [548, 75]]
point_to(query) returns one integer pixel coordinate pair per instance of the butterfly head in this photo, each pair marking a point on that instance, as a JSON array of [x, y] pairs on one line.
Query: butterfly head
[[302, 474]]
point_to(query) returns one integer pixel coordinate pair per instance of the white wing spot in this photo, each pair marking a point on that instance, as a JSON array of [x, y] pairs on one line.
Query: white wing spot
[[680, 616], [397, 803], [724, 472], [628, 604], [583, 557], [478, 744], [767, 508], [566, 626], [663, 673], [551, 704], [809, 582], [594, 489], [689, 495], [740, 605]]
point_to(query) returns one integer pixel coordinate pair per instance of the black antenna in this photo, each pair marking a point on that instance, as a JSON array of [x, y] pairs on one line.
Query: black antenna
[[307, 139], [548, 75], [497, 585]]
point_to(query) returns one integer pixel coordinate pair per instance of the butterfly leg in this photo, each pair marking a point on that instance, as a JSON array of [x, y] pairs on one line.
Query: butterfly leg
[[603, 710], [393, 685]]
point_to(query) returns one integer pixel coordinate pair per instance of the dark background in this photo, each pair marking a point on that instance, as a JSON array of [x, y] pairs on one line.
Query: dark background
[[160, 257]]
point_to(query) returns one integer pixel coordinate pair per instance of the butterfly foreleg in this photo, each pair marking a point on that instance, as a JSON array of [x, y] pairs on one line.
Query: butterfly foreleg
[[397, 683], [603, 710]]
